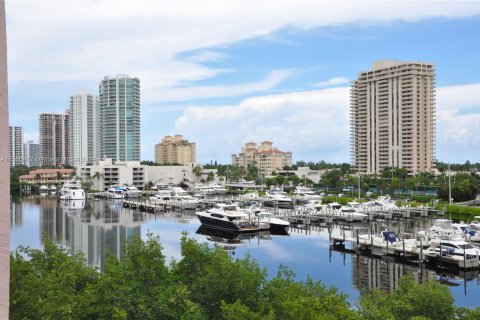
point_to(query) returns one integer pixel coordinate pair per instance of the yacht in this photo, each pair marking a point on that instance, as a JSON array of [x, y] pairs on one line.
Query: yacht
[[458, 252], [349, 212], [265, 217], [72, 190], [53, 188], [43, 189], [131, 191], [275, 199], [115, 192], [305, 194], [229, 217]]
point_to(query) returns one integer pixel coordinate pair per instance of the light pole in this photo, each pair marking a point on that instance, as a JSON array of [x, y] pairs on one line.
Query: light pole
[[449, 186], [358, 175]]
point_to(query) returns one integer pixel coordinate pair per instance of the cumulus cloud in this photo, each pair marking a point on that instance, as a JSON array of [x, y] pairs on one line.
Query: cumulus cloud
[[314, 125], [311, 124]]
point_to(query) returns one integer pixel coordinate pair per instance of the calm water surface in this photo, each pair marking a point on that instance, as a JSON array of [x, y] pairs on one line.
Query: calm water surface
[[97, 226]]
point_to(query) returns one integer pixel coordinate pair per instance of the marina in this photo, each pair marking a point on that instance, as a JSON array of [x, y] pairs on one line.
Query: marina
[[95, 226]]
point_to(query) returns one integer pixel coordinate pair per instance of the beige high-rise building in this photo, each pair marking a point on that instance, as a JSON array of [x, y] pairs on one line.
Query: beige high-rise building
[[392, 115], [266, 158], [54, 138], [175, 150]]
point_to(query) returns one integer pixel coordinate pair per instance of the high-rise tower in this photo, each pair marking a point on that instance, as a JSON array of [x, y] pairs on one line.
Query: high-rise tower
[[119, 125], [54, 139], [392, 110], [84, 142], [15, 139]]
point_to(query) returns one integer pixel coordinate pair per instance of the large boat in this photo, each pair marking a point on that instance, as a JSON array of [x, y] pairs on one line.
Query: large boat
[[278, 200], [43, 189], [305, 194], [452, 251], [265, 217], [53, 188], [348, 212], [72, 190], [131, 191], [115, 192], [229, 217]]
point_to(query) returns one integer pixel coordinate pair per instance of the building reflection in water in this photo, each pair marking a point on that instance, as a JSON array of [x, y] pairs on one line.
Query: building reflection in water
[[16, 214], [93, 227]]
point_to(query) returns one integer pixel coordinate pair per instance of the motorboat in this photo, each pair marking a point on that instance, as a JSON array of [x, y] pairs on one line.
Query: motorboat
[[229, 217], [115, 192], [390, 239], [72, 190], [43, 189], [131, 191], [53, 188], [444, 229], [305, 194], [278, 200], [348, 212], [263, 216], [453, 251]]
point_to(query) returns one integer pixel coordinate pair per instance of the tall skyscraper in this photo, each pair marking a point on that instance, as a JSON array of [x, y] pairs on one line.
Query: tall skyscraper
[[119, 106], [31, 154], [84, 142], [175, 150], [392, 110], [15, 141], [54, 139]]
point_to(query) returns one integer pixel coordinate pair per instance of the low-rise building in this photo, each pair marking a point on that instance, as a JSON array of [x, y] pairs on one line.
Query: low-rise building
[[48, 176], [108, 173], [266, 158]]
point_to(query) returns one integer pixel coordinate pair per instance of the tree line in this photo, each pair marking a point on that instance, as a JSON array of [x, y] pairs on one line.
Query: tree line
[[206, 283]]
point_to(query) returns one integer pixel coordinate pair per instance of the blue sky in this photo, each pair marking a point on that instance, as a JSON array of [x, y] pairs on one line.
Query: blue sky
[[223, 73]]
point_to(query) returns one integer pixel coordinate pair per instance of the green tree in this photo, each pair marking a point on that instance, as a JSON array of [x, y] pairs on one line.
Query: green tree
[[197, 171], [430, 300]]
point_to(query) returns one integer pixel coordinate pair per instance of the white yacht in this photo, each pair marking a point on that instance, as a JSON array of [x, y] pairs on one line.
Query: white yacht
[[72, 190], [265, 217], [348, 213], [305, 194], [43, 189], [53, 188], [115, 192], [230, 217], [275, 199], [131, 191]]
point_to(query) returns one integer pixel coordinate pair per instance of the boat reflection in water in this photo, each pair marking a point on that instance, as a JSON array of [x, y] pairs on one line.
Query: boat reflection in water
[[369, 272], [229, 240]]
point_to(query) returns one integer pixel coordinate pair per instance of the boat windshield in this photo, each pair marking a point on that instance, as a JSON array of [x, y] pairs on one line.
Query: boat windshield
[[466, 246], [265, 215]]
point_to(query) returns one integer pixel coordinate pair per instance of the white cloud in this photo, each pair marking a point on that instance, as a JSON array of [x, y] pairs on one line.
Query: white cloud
[[311, 124], [85, 40], [331, 82], [314, 125]]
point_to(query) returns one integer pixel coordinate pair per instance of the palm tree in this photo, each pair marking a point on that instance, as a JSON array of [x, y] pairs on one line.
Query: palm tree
[[97, 177], [197, 171]]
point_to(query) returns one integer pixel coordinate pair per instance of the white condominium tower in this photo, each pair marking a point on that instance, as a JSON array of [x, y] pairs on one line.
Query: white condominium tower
[[392, 115], [15, 139], [84, 142], [119, 109]]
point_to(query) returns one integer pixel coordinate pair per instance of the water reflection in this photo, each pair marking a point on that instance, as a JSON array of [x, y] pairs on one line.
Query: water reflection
[[97, 226], [91, 227]]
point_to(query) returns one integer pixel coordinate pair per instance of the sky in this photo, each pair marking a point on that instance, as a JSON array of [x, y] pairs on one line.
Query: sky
[[224, 73]]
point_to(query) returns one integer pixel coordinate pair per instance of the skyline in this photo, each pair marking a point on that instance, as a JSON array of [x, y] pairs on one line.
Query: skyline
[[271, 72]]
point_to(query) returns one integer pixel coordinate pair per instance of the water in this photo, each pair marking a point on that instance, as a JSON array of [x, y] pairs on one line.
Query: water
[[97, 226]]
